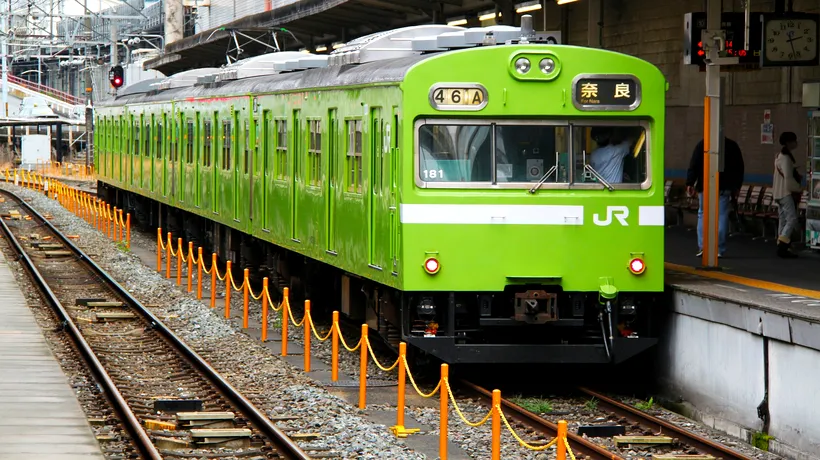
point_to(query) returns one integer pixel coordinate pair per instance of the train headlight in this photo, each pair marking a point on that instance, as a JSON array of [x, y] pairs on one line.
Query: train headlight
[[431, 265], [547, 65], [522, 65], [637, 266]]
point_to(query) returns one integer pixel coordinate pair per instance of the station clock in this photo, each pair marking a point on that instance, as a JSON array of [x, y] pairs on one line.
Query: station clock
[[789, 39]]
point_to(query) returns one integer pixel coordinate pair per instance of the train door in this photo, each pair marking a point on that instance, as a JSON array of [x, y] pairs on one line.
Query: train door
[[174, 160], [375, 192], [165, 131], [295, 152], [251, 148], [391, 136], [330, 184]]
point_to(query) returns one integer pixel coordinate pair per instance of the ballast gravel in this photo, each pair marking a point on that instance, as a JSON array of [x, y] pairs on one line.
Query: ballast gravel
[[285, 391]]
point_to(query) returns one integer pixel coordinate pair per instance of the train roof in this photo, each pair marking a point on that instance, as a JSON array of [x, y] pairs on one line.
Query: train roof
[[379, 58]]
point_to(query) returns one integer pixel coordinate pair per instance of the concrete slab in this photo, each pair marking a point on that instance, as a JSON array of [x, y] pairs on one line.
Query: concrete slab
[[39, 413]]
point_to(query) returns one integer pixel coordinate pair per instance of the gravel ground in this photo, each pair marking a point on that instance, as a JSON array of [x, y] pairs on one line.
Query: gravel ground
[[287, 391]]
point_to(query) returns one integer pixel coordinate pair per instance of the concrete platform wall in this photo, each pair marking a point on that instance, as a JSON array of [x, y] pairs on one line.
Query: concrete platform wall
[[712, 360]]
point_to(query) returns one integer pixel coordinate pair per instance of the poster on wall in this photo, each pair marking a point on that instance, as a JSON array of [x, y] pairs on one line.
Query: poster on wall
[[767, 133]]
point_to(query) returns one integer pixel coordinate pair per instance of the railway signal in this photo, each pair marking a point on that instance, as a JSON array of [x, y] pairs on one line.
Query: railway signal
[[115, 76]]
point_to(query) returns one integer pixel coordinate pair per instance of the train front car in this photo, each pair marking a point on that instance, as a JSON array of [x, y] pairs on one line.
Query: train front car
[[532, 206]]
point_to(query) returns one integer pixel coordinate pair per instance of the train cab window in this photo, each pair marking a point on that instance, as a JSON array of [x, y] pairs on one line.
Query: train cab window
[[455, 153], [610, 154], [531, 153], [206, 143]]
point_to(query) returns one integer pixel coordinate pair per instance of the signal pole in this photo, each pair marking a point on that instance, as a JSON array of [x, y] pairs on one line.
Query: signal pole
[[114, 55]]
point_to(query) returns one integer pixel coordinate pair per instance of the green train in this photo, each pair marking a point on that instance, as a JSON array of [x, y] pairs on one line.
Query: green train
[[481, 194]]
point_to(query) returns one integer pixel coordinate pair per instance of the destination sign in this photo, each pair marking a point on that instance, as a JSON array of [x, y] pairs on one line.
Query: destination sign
[[607, 93]]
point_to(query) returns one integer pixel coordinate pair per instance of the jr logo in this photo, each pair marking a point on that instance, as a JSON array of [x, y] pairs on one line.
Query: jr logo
[[618, 212]]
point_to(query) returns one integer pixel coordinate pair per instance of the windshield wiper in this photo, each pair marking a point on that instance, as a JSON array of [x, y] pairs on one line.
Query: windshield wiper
[[547, 175], [598, 176]]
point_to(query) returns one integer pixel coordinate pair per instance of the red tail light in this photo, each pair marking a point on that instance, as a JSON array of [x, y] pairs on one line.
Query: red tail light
[[636, 266], [431, 265]]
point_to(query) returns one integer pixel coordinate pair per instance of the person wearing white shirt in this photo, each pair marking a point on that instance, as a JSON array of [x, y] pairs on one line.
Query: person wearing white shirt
[[785, 184], [608, 158]]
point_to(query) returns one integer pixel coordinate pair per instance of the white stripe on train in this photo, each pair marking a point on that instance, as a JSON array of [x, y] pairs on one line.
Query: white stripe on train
[[522, 214]]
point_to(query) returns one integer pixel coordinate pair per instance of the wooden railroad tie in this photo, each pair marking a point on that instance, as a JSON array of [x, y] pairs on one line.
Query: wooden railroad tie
[[203, 419], [55, 254], [682, 457], [47, 246], [159, 425], [112, 316], [645, 440], [225, 437]]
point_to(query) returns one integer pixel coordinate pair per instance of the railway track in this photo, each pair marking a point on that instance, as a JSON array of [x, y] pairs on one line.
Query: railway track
[[647, 426], [172, 403], [656, 425]]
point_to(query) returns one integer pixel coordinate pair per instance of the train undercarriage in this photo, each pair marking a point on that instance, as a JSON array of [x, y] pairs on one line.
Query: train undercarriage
[[526, 323]]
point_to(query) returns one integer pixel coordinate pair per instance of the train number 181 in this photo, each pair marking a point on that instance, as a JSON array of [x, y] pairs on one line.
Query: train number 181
[[433, 174]]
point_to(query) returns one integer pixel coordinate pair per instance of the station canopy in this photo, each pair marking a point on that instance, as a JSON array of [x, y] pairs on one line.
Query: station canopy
[[306, 24]]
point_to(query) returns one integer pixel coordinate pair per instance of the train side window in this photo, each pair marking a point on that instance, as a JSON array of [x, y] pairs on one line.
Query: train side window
[[247, 155], [455, 153], [206, 143], [160, 136], [614, 153], [354, 156], [136, 137], [281, 149], [190, 136], [146, 139], [315, 152], [525, 153], [227, 145]]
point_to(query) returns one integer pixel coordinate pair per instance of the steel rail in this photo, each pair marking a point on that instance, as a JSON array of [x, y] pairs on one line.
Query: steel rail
[[132, 424], [579, 445], [285, 446], [704, 445]]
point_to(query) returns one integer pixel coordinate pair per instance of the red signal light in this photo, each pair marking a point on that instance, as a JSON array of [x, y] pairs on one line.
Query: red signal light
[[117, 82], [636, 266], [431, 265]]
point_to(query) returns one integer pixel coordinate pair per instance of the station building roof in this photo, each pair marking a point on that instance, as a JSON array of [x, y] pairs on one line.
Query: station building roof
[[309, 24]]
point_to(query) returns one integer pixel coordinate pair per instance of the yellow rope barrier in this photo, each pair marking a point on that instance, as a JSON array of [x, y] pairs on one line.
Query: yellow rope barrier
[[569, 450], [342, 339], [521, 441], [458, 409], [376, 361], [413, 382], [290, 315], [230, 275], [313, 329]]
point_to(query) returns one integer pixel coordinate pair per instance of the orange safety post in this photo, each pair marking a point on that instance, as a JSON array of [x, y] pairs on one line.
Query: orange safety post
[[363, 369], [108, 220], [402, 377], [117, 228], [121, 226], [264, 309], [245, 289], [128, 230], [168, 257], [496, 436], [560, 447], [443, 413], [285, 306], [179, 261], [159, 250], [190, 260], [334, 363], [306, 321], [228, 288], [199, 274], [213, 280]]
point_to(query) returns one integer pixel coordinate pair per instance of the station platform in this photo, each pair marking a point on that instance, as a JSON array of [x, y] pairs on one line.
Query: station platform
[[750, 274], [40, 416]]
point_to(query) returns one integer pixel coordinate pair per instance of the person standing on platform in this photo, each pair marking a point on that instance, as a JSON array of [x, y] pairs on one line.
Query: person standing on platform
[[729, 183], [785, 187]]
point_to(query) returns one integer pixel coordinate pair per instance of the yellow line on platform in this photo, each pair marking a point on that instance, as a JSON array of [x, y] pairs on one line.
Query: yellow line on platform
[[760, 284]]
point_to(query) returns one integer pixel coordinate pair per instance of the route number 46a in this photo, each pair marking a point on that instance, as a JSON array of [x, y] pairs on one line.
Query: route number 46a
[[458, 96]]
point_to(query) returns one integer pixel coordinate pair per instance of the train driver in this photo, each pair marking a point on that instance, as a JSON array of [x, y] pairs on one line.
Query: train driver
[[608, 158]]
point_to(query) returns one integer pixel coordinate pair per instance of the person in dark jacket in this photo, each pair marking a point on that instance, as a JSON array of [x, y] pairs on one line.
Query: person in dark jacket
[[729, 183]]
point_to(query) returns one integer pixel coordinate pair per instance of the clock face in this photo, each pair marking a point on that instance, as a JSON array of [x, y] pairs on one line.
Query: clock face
[[791, 40]]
